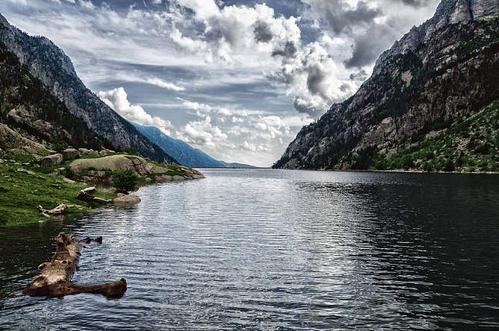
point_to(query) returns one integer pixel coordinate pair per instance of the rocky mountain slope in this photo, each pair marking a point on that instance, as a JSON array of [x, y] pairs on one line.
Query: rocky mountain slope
[[434, 77], [63, 95], [30, 117], [183, 152]]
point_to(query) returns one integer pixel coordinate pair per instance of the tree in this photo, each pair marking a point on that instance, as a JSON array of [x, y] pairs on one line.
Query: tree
[[125, 180]]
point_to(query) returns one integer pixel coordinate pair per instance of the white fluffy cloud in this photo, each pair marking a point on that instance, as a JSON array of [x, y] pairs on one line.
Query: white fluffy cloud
[[239, 134], [117, 99], [203, 133], [233, 32], [315, 78]]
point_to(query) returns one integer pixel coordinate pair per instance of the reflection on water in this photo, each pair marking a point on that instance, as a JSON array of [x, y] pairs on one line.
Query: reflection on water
[[268, 249]]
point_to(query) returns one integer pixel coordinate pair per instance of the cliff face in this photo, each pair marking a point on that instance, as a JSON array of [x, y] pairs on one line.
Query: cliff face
[[48, 64], [27, 110], [436, 75]]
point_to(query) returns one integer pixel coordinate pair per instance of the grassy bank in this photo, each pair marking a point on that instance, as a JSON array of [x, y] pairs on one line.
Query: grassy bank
[[23, 187], [24, 184]]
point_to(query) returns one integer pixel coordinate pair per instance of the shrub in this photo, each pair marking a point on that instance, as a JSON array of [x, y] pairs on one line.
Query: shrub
[[125, 180]]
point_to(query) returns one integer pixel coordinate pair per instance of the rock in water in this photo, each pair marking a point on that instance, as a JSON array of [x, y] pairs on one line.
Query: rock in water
[[130, 199]]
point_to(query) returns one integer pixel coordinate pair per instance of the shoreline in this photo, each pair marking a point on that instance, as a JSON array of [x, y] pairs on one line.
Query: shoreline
[[25, 185], [401, 171]]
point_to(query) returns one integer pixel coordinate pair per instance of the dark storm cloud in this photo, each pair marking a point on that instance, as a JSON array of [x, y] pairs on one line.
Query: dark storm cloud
[[369, 45], [413, 3], [370, 36], [315, 79], [342, 18], [262, 32], [289, 50], [359, 75]]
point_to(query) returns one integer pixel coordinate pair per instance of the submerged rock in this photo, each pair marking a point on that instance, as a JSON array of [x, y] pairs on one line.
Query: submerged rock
[[130, 199]]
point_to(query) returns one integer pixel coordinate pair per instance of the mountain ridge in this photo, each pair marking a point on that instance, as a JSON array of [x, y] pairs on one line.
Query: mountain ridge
[[26, 123], [53, 68], [433, 76]]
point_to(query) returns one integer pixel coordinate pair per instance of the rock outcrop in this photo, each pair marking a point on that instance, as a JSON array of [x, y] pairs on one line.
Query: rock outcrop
[[116, 163], [70, 154], [101, 170], [51, 160], [126, 200], [436, 75]]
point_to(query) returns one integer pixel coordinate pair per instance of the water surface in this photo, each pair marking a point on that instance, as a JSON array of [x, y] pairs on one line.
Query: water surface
[[277, 250]]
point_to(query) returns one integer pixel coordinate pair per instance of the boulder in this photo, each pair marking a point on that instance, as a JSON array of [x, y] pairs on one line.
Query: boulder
[[163, 178], [130, 199], [103, 153], [118, 162], [51, 160], [178, 178], [85, 152], [70, 154]]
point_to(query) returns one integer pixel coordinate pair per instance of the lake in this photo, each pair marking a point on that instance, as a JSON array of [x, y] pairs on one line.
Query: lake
[[276, 250]]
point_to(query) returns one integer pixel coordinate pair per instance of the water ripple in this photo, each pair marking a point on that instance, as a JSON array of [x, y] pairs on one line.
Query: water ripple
[[277, 250]]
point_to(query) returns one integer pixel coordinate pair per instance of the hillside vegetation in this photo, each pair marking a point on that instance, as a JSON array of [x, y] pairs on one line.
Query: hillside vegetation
[[469, 145]]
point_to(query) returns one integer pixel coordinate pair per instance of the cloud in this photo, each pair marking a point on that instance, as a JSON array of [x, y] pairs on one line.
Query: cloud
[[238, 134], [203, 133], [315, 77], [369, 26], [231, 32], [254, 147], [341, 15], [117, 99], [163, 84]]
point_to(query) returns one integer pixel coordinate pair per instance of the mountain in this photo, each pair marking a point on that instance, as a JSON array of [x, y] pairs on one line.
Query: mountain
[[30, 117], [63, 95], [437, 77], [183, 152]]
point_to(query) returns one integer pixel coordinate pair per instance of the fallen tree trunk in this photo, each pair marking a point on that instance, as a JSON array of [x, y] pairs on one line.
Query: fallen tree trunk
[[59, 210], [86, 195], [55, 276]]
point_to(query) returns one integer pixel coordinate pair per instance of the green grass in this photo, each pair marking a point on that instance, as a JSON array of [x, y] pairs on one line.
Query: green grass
[[21, 193], [470, 145]]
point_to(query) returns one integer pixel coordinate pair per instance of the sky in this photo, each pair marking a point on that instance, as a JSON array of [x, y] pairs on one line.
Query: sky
[[235, 78]]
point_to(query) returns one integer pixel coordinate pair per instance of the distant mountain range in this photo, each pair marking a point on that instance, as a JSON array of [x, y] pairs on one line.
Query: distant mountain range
[[431, 103], [183, 152]]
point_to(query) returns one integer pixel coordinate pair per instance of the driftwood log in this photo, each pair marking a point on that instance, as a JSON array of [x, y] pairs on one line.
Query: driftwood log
[[86, 195], [59, 210], [55, 276]]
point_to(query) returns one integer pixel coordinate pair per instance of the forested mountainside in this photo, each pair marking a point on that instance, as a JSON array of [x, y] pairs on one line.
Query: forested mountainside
[[437, 77]]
